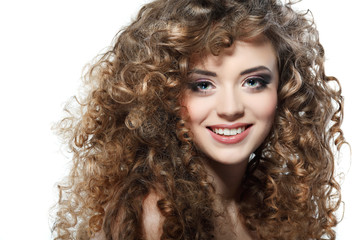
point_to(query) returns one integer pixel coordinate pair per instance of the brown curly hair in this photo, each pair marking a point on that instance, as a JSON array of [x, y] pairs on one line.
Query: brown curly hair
[[130, 139]]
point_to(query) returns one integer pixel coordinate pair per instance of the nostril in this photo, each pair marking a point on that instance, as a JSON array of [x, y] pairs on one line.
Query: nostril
[[231, 116]]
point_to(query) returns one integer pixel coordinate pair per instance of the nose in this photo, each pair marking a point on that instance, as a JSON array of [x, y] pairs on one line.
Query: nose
[[230, 106]]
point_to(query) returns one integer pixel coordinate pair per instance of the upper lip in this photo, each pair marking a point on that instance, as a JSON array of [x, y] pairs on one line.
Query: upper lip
[[230, 126]]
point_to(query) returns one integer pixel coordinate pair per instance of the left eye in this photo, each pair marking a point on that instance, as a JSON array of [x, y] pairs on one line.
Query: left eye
[[255, 82], [203, 85]]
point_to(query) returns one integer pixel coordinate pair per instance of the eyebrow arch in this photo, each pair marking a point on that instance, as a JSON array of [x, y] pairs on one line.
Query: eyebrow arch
[[254, 69], [203, 72]]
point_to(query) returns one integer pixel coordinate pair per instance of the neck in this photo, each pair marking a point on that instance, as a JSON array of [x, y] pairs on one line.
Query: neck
[[226, 178]]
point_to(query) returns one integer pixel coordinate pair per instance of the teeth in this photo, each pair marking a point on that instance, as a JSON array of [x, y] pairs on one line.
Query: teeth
[[228, 132]]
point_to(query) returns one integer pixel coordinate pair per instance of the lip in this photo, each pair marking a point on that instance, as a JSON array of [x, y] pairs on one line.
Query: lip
[[230, 139]]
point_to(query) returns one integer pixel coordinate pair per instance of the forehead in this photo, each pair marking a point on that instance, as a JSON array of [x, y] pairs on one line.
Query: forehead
[[256, 51]]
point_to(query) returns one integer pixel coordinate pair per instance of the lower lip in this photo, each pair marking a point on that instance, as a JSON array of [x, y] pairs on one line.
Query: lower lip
[[230, 139]]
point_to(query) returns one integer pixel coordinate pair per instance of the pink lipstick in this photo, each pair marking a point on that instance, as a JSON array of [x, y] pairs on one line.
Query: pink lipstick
[[229, 133]]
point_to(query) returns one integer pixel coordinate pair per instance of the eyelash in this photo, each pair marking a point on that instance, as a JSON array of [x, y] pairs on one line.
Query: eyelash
[[260, 80], [196, 86]]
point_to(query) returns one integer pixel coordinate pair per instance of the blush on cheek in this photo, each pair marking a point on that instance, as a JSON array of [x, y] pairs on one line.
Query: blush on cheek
[[195, 108], [264, 107]]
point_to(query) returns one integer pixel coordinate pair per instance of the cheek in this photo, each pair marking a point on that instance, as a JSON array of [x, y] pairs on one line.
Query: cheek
[[196, 109], [264, 106], [195, 114]]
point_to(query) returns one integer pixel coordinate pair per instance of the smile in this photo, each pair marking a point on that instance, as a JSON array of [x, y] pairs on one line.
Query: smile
[[229, 134]]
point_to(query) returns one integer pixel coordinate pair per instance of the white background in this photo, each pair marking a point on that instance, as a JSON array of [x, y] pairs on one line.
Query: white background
[[43, 47]]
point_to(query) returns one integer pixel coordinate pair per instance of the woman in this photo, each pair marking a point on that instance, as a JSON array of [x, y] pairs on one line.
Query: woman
[[206, 120]]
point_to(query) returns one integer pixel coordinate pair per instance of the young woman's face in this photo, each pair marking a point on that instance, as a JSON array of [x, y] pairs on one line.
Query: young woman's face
[[232, 99]]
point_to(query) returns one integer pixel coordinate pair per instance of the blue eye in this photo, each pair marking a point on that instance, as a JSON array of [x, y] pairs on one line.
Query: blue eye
[[252, 82], [256, 83], [201, 86]]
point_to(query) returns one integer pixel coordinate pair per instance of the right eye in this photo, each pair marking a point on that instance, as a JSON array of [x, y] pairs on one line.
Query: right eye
[[201, 86]]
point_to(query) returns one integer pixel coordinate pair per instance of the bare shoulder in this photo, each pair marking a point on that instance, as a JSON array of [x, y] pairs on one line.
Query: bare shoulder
[[98, 236], [152, 218]]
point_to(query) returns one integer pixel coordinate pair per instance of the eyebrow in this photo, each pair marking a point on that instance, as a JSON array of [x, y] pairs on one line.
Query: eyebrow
[[213, 74], [255, 69], [203, 72]]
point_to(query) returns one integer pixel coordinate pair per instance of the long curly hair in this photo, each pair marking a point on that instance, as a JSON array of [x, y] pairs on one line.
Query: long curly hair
[[130, 138]]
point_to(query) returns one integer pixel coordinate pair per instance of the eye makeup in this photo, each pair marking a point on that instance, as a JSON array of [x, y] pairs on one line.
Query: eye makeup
[[257, 82], [255, 79], [201, 86]]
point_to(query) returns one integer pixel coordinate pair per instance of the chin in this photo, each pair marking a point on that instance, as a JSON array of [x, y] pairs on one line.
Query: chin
[[232, 159]]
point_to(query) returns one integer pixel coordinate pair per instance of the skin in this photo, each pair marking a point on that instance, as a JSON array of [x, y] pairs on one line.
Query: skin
[[231, 97]]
